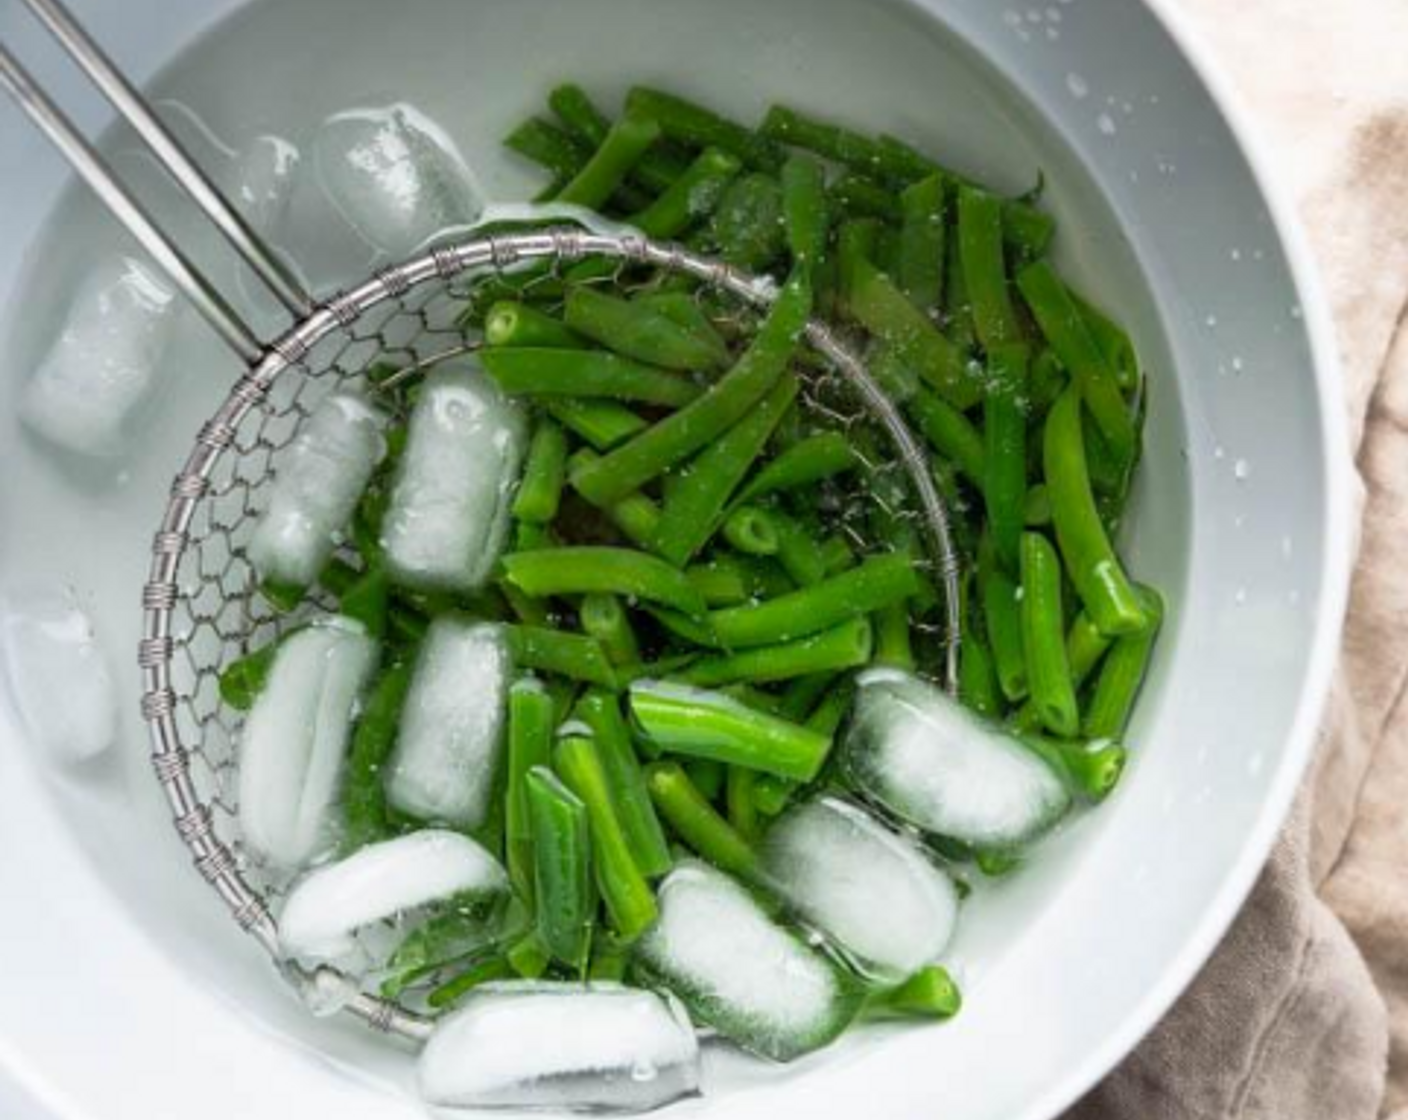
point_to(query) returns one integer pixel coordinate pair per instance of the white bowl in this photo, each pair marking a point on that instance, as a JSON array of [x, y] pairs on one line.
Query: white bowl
[[138, 998]]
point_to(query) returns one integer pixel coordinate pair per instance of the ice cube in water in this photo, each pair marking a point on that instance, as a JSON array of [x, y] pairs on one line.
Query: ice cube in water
[[333, 901], [598, 1047], [872, 890], [57, 674], [452, 725], [92, 389]]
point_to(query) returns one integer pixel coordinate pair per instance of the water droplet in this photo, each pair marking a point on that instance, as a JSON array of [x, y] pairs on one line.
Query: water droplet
[[644, 1071], [1293, 598], [1127, 108], [1241, 470], [1077, 86], [1258, 254], [1240, 596], [1296, 312], [1235, 254], [1218, 452], [1286, 547], [1239, 520], [1133, 176], [1106, 124], [1211, 321], [1237, 364]]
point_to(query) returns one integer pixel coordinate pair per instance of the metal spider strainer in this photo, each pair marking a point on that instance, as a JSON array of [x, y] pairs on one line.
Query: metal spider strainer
[[200, 603]]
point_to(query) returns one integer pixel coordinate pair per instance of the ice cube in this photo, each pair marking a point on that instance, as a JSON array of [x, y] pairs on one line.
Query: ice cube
[[294, 739], [90, 392], [57, 674], [319, 480], [598, 1047], [739, 971], [328, 905], [448, 516], [395, 176], [870, 889], [929, 760], [452, 726]]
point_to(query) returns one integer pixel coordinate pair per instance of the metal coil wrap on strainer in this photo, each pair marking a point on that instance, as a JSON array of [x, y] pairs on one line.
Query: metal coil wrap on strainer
[[201, 604]]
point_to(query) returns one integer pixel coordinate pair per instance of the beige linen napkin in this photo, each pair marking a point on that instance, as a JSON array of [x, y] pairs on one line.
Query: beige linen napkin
[[1302, 1014]]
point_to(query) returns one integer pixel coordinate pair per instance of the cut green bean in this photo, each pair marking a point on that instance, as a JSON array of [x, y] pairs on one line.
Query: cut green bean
[[1085, 646], [977, 678], [605, 619], [752, 531], [804, 211], [929, 994], [708, 777], [601, 711], [637, 330], [836, 142], [693, 196], [738, 798], [528, 956], [694, 820], [1004, 628], [530, 371], [610, 959], [958, 309], [549, 147], [1044, 637], [1122, 674], [603, 424], [951, 434], [635, 514], [1114, 343], [844, 646], [589, 125], [1064, 328], [682, 719], [771, 794], [857, 196], [726, 580], [748, 227], [1005, 458], [675, 438], [243, 680], [544, 473], [1036, 508], [485, 971], [875, 583], [620, 151], [698, 127], [798, 550], [562, 867], [836, 555], [685, 310], [691, 512], [984, 271], [629, 900], [364, 813], [892, 642], [509, 323], [531, 712], [1091, 562], [575, 571], [805, 463], [1091, 769], [525, 608], [923, 237], [803, 694], [574, 656], [828, 715]]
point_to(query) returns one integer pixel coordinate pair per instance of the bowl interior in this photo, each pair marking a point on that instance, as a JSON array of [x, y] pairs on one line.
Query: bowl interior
[[1161, 221]]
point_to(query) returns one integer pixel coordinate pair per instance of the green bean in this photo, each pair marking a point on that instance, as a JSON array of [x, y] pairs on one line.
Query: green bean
[[529, 536], [802, 695], [694, 195], [635, 514], [726, 580], [752, 531], [929, 994], [892, 644], [629, 900], [441, 942], [1005, 427], [604, 619], [682, 719], [684, 309], [530, 728], [364, 815], [856, 239], [574, 656], [1091, 561], [509, 323], [529, 956], [640, 331], [602, 713], [242, 680], [1090, 769], [1036, 507], [754, 697], [958, 311], [748, 225], [877, 582], [707, 776], [1114, 343], [826, 717], [984, 272], [610, 959], [1044, 638], [693, 631], [691, 512], [656, 169], [1061, 323], [283, 597], [620, 151], [695, 821], [574, 571], [544, 473], [812, 460], [844, 646], [977, 678], [550, 147], [857, 196], [1047, 382], [804, 211], [835, 142], [738, 799], [698, 127], [771, 795], [885, 312], [529, 371], [1123, 673], [836, 555], [525, 608], [696, 425], [1003, 619], [484, 971], [951, 434], [1085, 646], [603, 424], [798, 550], [923, 235], [562, 867]]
